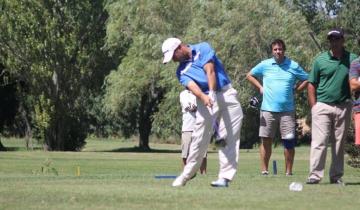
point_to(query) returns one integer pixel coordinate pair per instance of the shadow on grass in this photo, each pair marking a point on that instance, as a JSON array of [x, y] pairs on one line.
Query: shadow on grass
[[15, 149], [352, 183], [141, 150]]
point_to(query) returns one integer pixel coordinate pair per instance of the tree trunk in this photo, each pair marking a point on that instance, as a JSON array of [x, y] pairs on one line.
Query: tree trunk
[[144, 123], [28, 131], [148, 106], [2, 148], [144, 141], [144, 131], [55, 135]]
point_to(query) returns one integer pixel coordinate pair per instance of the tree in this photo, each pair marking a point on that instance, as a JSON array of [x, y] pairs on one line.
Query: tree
[[56, 48], [320, 14], [134, 91], [9, 103], [349, 20]]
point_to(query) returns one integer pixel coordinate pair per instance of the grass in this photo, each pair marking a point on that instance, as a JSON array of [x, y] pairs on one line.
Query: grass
[[125, 180]]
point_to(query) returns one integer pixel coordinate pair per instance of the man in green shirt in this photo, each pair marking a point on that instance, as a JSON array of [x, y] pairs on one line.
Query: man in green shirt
[[330, 101]]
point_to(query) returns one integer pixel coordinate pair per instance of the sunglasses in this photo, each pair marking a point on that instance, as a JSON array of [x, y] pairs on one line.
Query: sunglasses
[[335, 38]]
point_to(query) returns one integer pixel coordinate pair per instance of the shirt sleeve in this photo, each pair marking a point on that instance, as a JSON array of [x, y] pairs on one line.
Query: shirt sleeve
[[184, 80], [354, 71], [258, 70], [206, 53], [301, 74], [314, 76]]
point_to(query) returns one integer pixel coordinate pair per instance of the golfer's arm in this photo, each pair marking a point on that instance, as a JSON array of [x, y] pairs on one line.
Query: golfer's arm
[[195, 89], [254, 82], [354, 84], [302, 85], [210, 73], [311, 94]]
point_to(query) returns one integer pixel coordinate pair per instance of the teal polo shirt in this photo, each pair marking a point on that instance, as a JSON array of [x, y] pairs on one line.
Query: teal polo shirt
[[278, 83], [331, 77]]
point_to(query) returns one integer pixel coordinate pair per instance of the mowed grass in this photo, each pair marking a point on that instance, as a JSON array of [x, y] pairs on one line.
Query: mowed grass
[[112, 176]]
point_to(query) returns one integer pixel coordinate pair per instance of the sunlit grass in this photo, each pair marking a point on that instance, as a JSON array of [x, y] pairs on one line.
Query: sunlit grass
[[125, 180]]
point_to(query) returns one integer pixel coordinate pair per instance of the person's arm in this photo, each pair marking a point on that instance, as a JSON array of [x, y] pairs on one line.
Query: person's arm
[[210, 73], [354, 84], [311, 88], [354, 74], [313, 82], [302, 86], [209, 69], [195, 89], [254, 82]]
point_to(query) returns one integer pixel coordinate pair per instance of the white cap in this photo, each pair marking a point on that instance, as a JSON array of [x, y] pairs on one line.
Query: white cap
[[168, 48]]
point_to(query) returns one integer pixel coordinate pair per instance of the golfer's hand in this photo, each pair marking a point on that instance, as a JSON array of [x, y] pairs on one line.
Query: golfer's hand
[[207, 100], [212, 95]]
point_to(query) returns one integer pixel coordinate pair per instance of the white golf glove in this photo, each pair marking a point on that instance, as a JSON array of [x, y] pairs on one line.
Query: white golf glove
[[212, 95], [214, 108]]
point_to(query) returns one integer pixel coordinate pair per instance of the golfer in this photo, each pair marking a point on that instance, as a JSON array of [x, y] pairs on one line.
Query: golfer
[[329, 97], [203, 74], [279, 76]]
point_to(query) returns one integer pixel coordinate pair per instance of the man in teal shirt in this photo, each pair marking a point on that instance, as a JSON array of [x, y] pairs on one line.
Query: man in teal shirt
[[279, 77], [330, 101]]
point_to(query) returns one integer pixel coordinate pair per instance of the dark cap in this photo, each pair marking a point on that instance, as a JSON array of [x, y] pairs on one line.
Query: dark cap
[[335, 32]]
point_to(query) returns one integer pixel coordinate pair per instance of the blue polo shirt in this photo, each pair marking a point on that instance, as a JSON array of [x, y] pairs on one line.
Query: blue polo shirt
[[193, 69], [278, 83]]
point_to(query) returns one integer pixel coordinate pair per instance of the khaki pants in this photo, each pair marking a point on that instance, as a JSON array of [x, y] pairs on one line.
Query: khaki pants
[[185, 144], [229, 110], [330, 123]]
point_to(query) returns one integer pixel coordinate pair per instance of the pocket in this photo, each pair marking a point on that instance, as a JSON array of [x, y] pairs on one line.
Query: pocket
[[231, 91]]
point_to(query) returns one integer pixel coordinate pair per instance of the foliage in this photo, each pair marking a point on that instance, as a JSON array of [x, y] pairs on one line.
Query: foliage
[[9, 102], [63, 50], [46, 168], [240, 32], [350, 21], [134, 91], [55, 47]]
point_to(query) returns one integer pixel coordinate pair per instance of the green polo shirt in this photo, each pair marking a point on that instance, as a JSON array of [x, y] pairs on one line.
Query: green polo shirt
[[331, 77]]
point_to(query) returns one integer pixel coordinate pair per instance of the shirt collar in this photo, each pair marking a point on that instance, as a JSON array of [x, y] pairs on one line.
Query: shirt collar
[[334, 58], [194, 54], [285, 62]]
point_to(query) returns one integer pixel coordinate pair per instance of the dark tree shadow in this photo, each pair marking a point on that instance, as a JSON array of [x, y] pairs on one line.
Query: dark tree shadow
[[141, 150], [14, 149], [352, 183]]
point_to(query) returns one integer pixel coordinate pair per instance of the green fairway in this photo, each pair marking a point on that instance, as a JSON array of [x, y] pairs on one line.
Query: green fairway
[[112, 176]]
